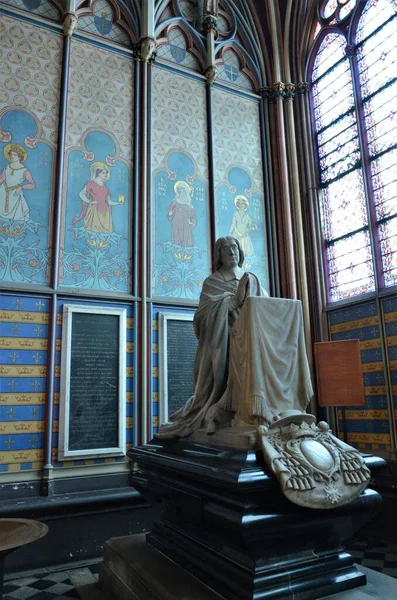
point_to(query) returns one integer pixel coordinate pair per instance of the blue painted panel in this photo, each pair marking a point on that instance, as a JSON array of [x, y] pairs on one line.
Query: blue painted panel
[[241, 215], [26, 166], [181, 229], [96, 252]]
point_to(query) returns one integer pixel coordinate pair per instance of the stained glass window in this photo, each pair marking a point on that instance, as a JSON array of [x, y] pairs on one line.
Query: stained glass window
[[377, 69], [354, 86]]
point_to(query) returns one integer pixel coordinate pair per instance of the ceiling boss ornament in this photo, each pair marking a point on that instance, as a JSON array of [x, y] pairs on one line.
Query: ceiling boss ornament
[[314, 468]]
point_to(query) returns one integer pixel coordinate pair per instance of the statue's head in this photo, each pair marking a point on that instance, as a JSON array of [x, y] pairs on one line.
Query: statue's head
[[218, 254]]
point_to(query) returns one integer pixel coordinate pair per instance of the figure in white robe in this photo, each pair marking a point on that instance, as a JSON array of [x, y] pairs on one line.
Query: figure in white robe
[[242, 225], [15, 178]]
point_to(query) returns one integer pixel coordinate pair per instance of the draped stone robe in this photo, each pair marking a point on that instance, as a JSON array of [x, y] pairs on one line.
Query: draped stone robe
[[251, 365], [268, 367]]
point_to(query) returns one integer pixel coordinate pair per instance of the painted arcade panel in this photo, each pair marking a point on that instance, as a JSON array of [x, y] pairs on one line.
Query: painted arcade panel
[[175, 45], [366, 428], [232, 70], [41, 8], [105, 19], [239, 178], [23, 372], [177, 40], [97, 211], [181, 256], [29, 102]]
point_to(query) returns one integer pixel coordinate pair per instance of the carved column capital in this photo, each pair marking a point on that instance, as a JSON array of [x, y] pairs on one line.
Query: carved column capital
[[265, 92], [210, 74], [210, 23], [289, 91], [278, 91], [69, 23], [302, 88], [146, 50], [350, 50]]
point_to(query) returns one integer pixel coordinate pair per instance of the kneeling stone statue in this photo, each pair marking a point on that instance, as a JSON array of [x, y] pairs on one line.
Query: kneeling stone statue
[[251, 376]]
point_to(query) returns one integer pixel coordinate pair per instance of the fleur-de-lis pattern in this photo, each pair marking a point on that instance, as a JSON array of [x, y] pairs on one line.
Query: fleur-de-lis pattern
[[23, 371], [23, 383], [368, 427]]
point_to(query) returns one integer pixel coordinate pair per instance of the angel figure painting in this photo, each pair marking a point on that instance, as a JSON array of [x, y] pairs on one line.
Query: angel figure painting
[[14, 179]]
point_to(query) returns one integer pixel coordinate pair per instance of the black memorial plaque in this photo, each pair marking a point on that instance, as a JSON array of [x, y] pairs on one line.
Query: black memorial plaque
[[94, 382], [181, 352]]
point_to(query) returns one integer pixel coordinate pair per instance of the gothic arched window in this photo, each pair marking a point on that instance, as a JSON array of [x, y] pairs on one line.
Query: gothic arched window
[[353, 90]]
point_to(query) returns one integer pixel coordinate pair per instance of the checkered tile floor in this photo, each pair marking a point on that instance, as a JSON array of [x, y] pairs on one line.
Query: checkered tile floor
[[81, 582], [376, 556], [58, 585]]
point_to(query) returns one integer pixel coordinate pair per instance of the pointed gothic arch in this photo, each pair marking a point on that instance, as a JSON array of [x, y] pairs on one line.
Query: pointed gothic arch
[[107, 19]]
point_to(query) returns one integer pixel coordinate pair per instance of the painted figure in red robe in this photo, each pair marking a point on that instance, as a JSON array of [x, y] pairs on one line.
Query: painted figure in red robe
[[96, 209]]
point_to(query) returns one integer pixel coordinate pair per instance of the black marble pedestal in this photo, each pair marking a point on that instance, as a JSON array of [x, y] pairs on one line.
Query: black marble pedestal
[[225, 521]]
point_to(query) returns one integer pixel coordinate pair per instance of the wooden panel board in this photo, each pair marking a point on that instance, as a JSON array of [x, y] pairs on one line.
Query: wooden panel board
[[339, 373]]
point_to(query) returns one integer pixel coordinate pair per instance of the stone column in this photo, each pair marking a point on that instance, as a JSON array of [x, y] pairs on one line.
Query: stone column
[[146, 54]]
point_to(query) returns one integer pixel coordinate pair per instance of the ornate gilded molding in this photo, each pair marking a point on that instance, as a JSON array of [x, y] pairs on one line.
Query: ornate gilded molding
[[289, 92], [278, 91], [69, 23]]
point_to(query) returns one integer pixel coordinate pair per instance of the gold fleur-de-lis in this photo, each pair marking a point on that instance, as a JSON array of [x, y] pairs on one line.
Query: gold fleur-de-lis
[[14, 357], [37, 357], [13, 384], [34, 441], [11, 412], [35, 384], [9, 442]]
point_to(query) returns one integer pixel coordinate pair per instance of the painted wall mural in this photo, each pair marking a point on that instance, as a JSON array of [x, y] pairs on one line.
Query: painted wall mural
[[180, 190], [97, 207], [29, 97], [229, 70], [44, 8], [99, 20], [239, 177], [177, 47]]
